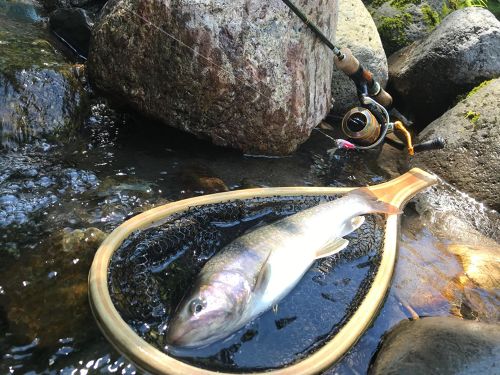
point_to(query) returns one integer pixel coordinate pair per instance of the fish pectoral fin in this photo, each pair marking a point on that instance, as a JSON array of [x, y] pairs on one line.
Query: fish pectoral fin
[[352, 225], [262, 278], [332, 248]]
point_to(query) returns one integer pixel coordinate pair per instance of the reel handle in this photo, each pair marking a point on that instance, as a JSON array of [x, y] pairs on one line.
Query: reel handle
[[362, 77], [433, 144]]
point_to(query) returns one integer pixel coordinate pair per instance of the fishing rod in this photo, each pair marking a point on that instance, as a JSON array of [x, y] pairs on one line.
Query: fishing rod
[[366, 127], [315, 29]]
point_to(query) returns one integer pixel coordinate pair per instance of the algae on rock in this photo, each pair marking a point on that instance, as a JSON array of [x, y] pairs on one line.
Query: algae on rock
[[42, 95]]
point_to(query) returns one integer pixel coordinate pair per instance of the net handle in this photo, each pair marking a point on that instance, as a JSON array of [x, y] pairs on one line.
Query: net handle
[[146, 357]]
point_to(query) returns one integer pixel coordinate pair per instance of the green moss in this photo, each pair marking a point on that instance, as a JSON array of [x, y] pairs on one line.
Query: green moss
[[478, 87], [445, 10], [401, 4], [430, 16], [494, 7], [24, 46], [459, 4], [472, 116], [392, 31]]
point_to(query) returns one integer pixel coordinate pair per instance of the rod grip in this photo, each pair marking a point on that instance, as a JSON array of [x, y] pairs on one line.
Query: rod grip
[[383, 98], [349, 64]]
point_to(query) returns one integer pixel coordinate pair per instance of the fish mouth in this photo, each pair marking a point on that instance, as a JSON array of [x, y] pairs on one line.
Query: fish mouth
[[194, 334], [184, 336], [183, 339], [177, 338]]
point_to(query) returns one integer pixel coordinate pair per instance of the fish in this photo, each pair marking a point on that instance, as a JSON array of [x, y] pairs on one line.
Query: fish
[[258, 269]]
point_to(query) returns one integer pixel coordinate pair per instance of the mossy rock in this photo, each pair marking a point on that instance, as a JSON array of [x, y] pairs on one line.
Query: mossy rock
[[400, 22], [42, 93]]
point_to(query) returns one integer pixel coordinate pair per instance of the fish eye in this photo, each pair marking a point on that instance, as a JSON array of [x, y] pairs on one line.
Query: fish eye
[[197, 305]]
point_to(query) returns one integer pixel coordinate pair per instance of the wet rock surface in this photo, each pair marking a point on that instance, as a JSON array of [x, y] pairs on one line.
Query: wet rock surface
[[439, 345], [472, 155], [265, 85], [462, 52], [41, 93], [356, 31]]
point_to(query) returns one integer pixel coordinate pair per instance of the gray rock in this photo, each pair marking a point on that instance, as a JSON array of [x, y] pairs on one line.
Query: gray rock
[[357, 31], [439, 345], [471, 158], [74, 26], [460, 53], [265, 86]]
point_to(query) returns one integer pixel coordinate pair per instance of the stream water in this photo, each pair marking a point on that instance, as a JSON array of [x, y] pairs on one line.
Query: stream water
[[58, 199]]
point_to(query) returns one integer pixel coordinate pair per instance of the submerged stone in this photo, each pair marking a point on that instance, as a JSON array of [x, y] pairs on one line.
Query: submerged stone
[[51, 303], [439, 345], [244, 75]]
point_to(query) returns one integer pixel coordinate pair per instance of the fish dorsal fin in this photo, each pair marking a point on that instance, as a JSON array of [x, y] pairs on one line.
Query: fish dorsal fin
[[263, 277], [352, 225], [332, 248]]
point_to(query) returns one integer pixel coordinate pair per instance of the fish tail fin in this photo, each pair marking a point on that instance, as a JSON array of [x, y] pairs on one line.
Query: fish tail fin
[[376, 203]]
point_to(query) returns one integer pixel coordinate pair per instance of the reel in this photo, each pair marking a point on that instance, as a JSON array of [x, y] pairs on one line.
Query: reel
[[363, 130], [361, 126], [365, 127]]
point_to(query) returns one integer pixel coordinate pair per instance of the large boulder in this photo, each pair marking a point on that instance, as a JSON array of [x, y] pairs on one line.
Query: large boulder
[[357, 31], [460, 53], [471, 158], [439, 345], [248, 75], [42, 94]]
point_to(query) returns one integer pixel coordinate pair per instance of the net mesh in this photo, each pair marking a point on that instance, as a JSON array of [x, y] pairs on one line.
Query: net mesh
[[152, 270]]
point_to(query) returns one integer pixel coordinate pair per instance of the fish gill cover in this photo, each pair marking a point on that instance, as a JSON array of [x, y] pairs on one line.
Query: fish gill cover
[[154, 268]]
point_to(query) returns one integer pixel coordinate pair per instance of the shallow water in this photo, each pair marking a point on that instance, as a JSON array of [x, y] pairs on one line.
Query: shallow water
[[58, 199], [45, 321]]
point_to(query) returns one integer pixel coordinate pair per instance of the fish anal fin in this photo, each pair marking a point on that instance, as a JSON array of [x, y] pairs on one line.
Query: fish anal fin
[[352, 225], [356, 222], [331, 248]]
